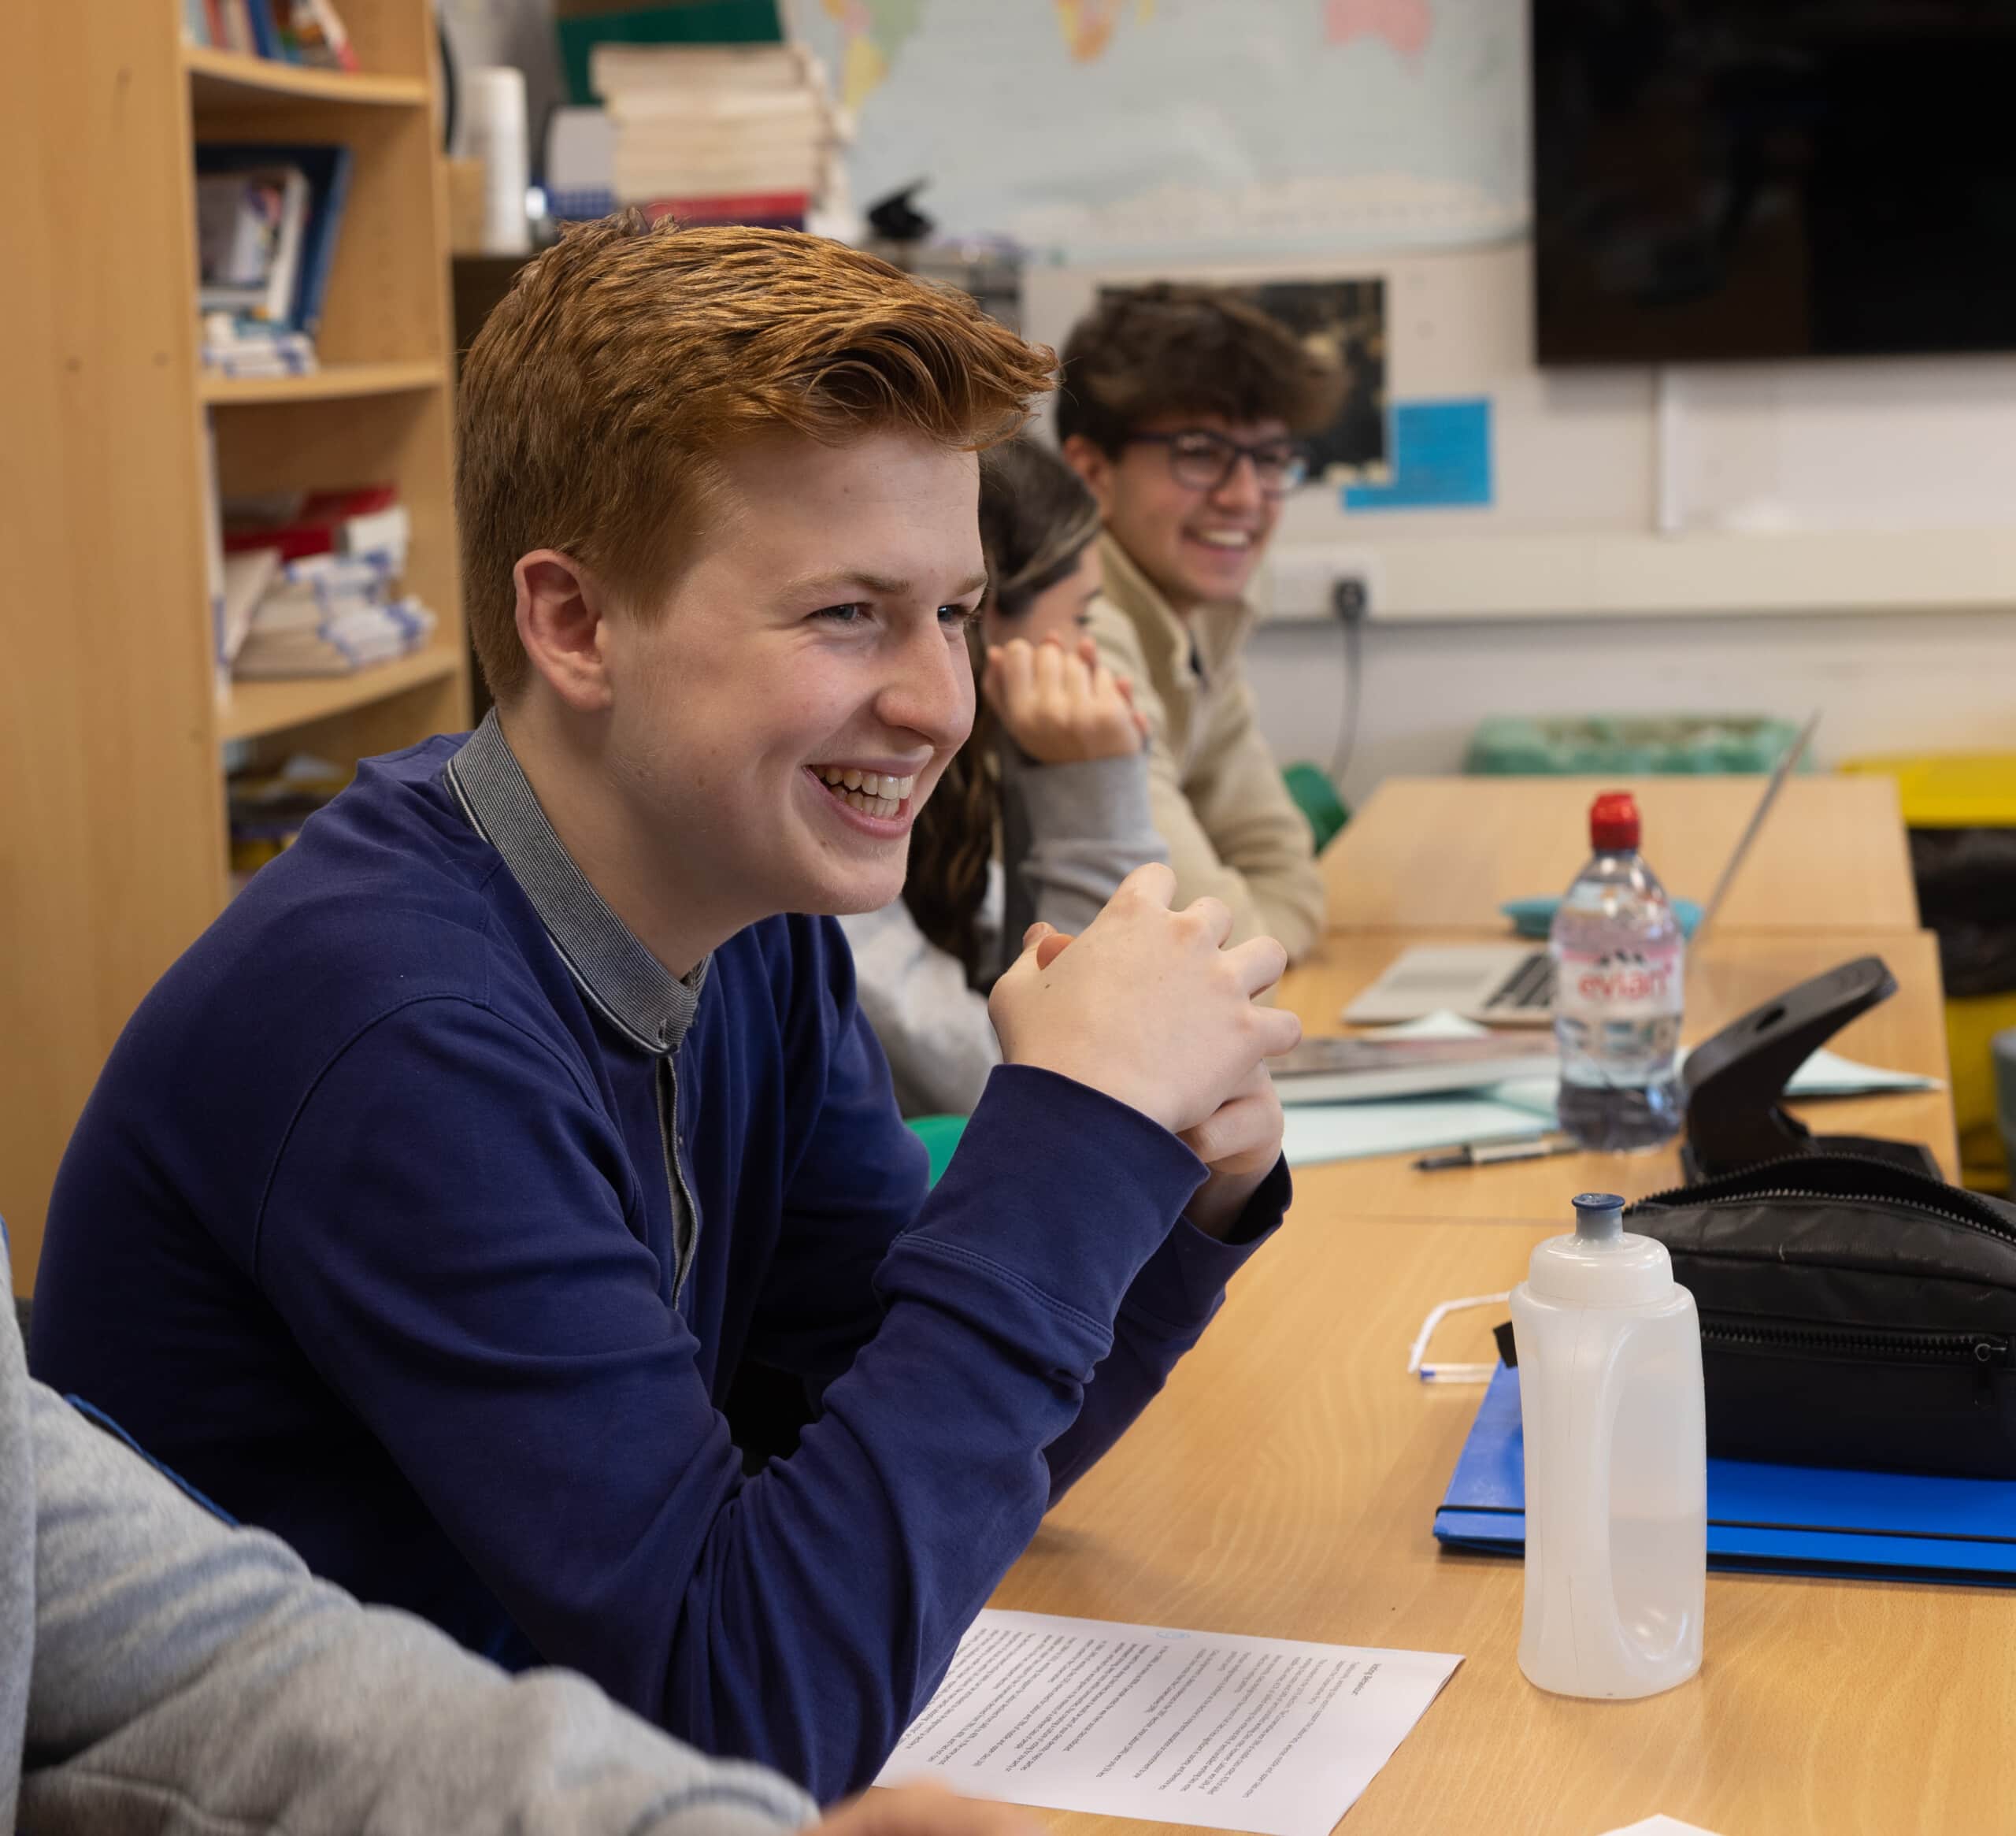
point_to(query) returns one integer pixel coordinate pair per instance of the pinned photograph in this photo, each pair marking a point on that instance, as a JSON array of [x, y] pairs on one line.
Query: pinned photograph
[[1347, 320]]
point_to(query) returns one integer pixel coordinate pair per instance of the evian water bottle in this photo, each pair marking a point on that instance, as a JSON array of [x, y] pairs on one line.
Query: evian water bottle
[[1617, 959]]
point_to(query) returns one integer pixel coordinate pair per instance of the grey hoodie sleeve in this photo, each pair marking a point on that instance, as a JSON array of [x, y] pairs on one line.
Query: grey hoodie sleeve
[[190, 1677], [934, 1029], [1070, 834]]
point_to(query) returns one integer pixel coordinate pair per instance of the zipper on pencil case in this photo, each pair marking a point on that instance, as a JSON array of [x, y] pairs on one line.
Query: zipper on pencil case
[[1959, 1210], [1986, 1349]]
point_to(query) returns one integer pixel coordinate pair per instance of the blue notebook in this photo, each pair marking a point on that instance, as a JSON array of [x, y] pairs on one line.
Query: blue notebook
[[1793, 1520]]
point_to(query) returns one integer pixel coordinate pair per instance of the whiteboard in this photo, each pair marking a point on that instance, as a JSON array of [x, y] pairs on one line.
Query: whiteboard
[[1161, 128]]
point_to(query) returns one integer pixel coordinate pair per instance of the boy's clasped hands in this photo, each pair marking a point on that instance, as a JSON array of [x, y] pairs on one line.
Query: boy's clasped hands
[[1148, 1006]]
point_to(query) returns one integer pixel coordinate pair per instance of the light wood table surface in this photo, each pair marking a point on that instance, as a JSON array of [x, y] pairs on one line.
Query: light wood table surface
[[1445, 852], [1285, 1485], [1730, 976]]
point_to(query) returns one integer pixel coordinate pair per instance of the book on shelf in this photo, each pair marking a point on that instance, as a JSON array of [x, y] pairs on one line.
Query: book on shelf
[[267, 808], [246, 577], [717, 133], [315, 35], [268, 214], [310, 584], [214, 555], [336, 643], [758, 209], [367, 520], [325, 171], [309, 32], [616, 69], [249, 228], [239, 347]]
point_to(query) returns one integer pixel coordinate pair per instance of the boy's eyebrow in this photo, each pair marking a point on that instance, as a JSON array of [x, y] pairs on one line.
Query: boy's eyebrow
[[881, 585]]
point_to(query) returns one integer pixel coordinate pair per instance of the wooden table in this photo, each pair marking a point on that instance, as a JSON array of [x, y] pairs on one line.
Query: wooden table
[[1728, 977], [1445, 852], [1285, 1483]]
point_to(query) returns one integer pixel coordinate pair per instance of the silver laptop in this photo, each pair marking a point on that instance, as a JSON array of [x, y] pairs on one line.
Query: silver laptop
[[1512, 985]]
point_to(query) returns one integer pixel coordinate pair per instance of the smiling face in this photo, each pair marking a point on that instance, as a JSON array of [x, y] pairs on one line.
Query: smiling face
[[1060, 611], [774, 726], [1198, 547]]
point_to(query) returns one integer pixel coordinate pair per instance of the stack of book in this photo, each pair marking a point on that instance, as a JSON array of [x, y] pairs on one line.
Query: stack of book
[[292, 32], [719, 133], [310, 585], [266, 809], [267, 216]]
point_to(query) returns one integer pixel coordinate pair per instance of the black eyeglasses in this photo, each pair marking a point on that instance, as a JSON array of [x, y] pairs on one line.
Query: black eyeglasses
[[1200, 460]]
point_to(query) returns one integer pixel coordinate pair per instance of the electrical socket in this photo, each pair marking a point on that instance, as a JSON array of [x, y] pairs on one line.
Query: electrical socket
[[1349, 599], [1317, 584]]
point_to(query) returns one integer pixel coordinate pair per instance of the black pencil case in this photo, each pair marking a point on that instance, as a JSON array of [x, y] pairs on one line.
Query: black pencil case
[[1853, 1314]]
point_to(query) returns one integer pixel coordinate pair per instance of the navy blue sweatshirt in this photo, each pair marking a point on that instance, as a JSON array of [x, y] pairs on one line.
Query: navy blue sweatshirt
[[421, 1216]]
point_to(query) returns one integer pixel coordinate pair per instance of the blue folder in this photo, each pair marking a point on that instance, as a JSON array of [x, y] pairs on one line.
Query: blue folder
[[1788, 1520]]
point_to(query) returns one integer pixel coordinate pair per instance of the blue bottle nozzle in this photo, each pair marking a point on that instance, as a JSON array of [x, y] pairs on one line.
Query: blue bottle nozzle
[[1598, 1217]]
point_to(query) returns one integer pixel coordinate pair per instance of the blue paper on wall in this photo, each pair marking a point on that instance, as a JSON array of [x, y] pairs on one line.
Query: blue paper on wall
[[1441, 459]]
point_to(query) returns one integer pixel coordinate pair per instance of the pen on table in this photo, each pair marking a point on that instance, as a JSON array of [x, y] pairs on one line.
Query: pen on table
[[1489, 1153]]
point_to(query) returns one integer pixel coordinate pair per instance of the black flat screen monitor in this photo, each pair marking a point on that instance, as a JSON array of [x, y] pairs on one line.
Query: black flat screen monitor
[[1724, 180]]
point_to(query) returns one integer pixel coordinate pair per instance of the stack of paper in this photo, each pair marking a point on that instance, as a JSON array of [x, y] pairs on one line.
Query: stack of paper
[[1518, 1109], [309, 584], [718, 133], [328, 615]]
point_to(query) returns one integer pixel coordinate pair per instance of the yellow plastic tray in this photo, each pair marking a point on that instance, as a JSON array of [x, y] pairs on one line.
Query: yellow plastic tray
[[1953, 790]]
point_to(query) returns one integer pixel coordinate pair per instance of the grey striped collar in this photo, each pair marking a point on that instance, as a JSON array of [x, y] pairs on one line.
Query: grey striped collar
[[616, 972]]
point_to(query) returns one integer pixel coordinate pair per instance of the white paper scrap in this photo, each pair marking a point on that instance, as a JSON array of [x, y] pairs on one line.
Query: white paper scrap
[[1271, 1735], [1662, 1826]]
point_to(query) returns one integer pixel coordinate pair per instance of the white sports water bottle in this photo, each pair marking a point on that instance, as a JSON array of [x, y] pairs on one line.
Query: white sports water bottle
[[1617, 1461], [1617, 974]]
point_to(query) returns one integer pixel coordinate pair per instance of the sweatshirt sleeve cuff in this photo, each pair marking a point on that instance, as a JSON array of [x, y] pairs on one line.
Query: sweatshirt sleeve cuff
[[1180, 1286]]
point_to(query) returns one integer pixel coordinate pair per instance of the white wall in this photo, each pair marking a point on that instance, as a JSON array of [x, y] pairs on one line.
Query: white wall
[[1767, 539], [1921, 681]]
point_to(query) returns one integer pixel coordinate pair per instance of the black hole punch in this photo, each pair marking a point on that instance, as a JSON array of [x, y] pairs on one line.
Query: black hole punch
[[1736, 1081]]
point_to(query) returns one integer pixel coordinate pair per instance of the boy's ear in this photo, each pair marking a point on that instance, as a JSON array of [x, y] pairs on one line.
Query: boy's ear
[[560, 614], [1093, 464]]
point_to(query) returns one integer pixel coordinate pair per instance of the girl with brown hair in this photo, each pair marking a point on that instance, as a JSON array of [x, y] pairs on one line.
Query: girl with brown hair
[[1041, 814]]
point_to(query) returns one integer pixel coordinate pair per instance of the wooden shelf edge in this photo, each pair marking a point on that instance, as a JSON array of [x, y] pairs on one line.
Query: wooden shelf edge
[[255, 709], [231, 79], [322, 385]]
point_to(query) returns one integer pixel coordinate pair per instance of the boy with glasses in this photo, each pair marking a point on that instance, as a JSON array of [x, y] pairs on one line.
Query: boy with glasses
[[1181, 407]]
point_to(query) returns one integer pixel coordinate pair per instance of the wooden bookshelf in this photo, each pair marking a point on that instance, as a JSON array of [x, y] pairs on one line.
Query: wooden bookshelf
[[327, 383], [255, 710], [112, 842], [223, 80]]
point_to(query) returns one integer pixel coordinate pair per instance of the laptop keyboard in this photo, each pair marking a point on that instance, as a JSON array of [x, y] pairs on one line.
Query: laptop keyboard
[[1530, 985]]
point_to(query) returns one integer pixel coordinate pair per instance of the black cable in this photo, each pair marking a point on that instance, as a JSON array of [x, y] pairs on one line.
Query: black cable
[[450, 88], [1340, 759]]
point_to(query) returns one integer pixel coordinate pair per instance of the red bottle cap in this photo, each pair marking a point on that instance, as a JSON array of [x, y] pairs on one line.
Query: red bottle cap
[[1614, 821]]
